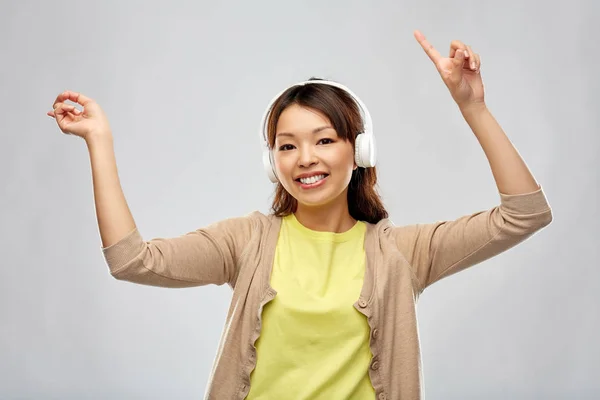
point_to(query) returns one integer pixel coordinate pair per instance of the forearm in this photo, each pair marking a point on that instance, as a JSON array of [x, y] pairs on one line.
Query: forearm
[[508, 168], [114, 217]]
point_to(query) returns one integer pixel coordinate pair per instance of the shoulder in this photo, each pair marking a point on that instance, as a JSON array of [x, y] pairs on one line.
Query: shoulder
[[381, 228], [387, 234], [248, 224], [380, 231], [261, 219]]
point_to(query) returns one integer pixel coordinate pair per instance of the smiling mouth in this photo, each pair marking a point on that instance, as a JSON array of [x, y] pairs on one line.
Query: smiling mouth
[[312, 180]]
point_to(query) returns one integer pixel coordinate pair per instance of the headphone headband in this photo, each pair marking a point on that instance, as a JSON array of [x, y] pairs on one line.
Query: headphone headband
[[367, 121]]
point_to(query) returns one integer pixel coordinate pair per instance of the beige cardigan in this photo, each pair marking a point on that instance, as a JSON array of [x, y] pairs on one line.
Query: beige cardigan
[[401, 262]]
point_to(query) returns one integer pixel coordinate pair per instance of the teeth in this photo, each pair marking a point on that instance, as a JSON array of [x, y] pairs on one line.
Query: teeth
[[312, 179]]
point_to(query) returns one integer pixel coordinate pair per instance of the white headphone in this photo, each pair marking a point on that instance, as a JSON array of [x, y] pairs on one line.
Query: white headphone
[[365, 152]]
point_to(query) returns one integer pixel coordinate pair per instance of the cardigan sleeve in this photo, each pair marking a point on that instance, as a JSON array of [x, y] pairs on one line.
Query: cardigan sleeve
[[205, 256], [440, 249]]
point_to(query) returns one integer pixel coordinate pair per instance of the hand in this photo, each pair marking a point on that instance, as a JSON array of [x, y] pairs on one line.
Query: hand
[[85, 124], [461, 71]]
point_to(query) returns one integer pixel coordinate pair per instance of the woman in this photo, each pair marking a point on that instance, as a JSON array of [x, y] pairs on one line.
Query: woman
[[325, 286]]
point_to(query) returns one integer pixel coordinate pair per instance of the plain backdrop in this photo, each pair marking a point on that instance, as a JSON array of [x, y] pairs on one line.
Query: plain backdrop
[[184, 85]]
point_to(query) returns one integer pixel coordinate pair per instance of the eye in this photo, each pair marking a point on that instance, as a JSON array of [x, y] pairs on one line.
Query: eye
[[327, 141], [286, 147]]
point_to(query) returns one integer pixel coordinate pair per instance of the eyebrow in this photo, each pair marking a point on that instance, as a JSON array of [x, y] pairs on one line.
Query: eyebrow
[[316, 130]]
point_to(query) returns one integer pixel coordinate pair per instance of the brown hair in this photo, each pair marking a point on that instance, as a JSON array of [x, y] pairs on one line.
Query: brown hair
[[364, 203]]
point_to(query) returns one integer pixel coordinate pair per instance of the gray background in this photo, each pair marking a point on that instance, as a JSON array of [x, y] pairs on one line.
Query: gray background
[[184, 86]]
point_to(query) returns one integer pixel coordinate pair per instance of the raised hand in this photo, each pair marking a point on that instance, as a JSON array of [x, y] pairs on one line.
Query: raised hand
[[460, 71], [90, 122]]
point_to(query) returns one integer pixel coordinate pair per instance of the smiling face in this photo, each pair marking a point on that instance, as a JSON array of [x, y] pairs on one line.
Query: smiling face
[[313, 164]]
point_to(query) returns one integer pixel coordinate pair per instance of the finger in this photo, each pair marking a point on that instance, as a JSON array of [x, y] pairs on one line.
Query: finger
[[59, 112], [477, 62], [458, 61], [59, 99], [433, 54], [66, 117], [79, 98], [456, 45], [472, 59], [62, 111], [70, 108], [66, 108], [72, 96], [62, 97]]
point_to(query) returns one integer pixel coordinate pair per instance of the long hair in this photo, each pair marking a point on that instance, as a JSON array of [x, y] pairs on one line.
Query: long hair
[[364, 203]]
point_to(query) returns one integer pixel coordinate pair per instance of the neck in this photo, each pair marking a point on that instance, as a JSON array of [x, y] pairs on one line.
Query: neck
[[327, 218]]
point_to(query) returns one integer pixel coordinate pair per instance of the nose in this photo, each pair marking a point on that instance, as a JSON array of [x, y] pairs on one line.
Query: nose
[[307, 157]]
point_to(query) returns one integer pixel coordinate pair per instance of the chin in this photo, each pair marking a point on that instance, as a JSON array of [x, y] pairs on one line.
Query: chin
[[316, 199], [313, 204]]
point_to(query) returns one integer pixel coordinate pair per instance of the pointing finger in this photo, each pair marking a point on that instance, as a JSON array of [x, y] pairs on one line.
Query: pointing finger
[[433, 54]]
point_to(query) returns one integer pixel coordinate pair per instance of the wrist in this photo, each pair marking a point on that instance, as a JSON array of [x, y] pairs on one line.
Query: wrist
[[472, 108], [96, 137]]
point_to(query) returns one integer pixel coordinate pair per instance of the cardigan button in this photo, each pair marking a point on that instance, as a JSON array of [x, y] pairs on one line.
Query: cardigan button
[[375, 365], [381, 396], [362, 303], [375, 333]]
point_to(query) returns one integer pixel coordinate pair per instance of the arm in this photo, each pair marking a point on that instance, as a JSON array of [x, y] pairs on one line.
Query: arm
[[444, 248], [204, 256], [208, 255], [461, 72], [112, 212], [508, 168], [91, 124], [437, 250]]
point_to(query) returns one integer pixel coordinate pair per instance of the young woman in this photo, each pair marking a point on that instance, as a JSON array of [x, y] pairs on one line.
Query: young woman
[[324, 287]]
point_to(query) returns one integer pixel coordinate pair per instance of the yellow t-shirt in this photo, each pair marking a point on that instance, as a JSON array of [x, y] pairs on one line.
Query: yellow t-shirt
[[314, 344]]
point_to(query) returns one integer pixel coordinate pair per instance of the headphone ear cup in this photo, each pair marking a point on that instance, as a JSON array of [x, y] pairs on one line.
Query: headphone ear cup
[[269, 165], [365, 152]]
